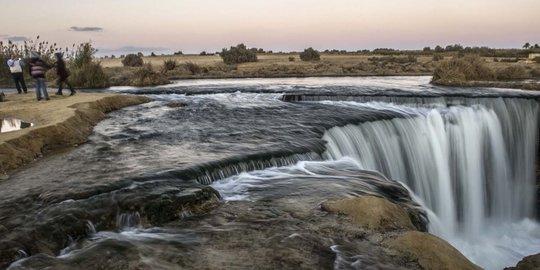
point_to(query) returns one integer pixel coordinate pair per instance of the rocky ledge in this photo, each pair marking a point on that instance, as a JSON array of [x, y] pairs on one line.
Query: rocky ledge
[[58, 123]]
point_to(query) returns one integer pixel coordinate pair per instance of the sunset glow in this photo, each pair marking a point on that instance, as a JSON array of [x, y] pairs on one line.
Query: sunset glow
[[193, 26]]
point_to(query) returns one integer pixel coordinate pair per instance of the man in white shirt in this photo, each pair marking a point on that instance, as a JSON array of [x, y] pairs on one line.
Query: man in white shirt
[[16, 68]]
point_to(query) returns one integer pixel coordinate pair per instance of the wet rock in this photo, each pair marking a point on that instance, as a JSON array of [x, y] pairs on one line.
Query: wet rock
[[107, 254], [527, 263], [428, 250], [176, 104], [372, 213], [48, 229]]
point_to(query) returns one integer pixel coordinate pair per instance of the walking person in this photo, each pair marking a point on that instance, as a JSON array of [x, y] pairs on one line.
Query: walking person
[[63, 74], [38, 67], [16, 68]]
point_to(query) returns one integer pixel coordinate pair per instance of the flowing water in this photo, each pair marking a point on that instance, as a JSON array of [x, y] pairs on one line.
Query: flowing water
[[463, 158]]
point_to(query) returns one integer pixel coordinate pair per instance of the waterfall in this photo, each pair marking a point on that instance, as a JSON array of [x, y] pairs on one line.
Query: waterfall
[[472, 165]]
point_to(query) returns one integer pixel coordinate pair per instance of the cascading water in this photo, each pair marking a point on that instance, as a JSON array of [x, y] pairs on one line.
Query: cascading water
[[472, 166]]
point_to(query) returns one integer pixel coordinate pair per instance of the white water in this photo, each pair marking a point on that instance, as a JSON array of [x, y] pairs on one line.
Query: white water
[[472, 167]]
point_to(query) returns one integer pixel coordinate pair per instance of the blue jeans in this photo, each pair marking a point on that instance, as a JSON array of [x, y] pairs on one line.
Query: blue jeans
[[40, 85]]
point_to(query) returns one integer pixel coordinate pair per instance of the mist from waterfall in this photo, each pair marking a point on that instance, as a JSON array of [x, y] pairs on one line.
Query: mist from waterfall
[[471, 166]]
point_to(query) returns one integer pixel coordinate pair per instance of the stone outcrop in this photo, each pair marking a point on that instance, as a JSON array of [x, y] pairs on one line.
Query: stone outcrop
[[527, 263], [56, 126], [399, 236], [429, 251], [372, 213]]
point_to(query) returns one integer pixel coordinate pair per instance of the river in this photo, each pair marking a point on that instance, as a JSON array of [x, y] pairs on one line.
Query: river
[[137, 195]]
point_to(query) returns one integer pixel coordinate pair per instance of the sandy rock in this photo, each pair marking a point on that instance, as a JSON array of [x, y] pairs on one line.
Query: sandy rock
[[59, 123], [527, 263], [429, 251], [372, 213]]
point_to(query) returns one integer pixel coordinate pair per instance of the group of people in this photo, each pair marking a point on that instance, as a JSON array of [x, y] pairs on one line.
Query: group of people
[[37, 68]]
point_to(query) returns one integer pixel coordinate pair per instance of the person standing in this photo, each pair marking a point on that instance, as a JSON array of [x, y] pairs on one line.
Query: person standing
[[16, 68], [63, 74], [38, 67]]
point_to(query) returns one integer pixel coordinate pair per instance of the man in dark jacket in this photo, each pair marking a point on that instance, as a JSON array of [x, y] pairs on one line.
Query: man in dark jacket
[[63, 74]]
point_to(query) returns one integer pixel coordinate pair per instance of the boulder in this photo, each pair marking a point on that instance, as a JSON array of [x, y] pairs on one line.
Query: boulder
[[429, 251], [527, 263], [372, 213]]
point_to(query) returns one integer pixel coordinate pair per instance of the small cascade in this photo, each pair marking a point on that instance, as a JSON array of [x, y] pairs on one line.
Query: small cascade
[[472, 166], [128, 220], [207, 173]]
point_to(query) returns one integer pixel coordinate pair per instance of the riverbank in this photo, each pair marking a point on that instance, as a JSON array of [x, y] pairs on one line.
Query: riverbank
[[62, 122], [268, 65]]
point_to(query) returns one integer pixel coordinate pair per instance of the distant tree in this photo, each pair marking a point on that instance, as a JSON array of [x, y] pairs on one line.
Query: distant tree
[[526, 46], [132, 60], [113, 56], [237, 54], [153, 54], [536, 46], [439, 48], [140, 54], [203, 53], [310, 54], [427, 49], [455, 47], [178, 53]]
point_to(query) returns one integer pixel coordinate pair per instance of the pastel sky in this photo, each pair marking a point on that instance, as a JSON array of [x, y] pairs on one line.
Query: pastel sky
[[279, 25]]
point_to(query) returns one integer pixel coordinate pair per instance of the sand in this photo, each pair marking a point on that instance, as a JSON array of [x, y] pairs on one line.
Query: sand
[[64, 121]]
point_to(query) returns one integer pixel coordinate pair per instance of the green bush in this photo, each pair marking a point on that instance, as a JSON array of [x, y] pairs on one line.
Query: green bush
[[89, 75], [132, 60], [85, 72], [237, 55], [468, 68], [310, 54]]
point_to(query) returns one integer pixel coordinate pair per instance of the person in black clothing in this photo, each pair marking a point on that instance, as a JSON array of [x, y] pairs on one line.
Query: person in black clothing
[[63, 74]]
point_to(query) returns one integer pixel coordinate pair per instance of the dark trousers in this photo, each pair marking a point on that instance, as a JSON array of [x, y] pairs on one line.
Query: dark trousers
[[18, 77], [61, 82]]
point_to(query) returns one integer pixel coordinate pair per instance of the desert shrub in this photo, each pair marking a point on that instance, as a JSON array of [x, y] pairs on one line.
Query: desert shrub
[[192, 67], [89, 75], [513, 72], [310, 54], [437, 57], [85, 72], [291, 59], [412, 59], [169, 64], [146, 76], [132, 60], [468, 68], [535, 73], [238, 54], [509, 60]]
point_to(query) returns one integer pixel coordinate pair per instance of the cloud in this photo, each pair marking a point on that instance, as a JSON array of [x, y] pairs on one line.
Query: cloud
[[85, 29], [14, 38]]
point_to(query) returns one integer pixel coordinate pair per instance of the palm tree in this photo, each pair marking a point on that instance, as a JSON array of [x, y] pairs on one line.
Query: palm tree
[[526, 46], [536, 46]]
